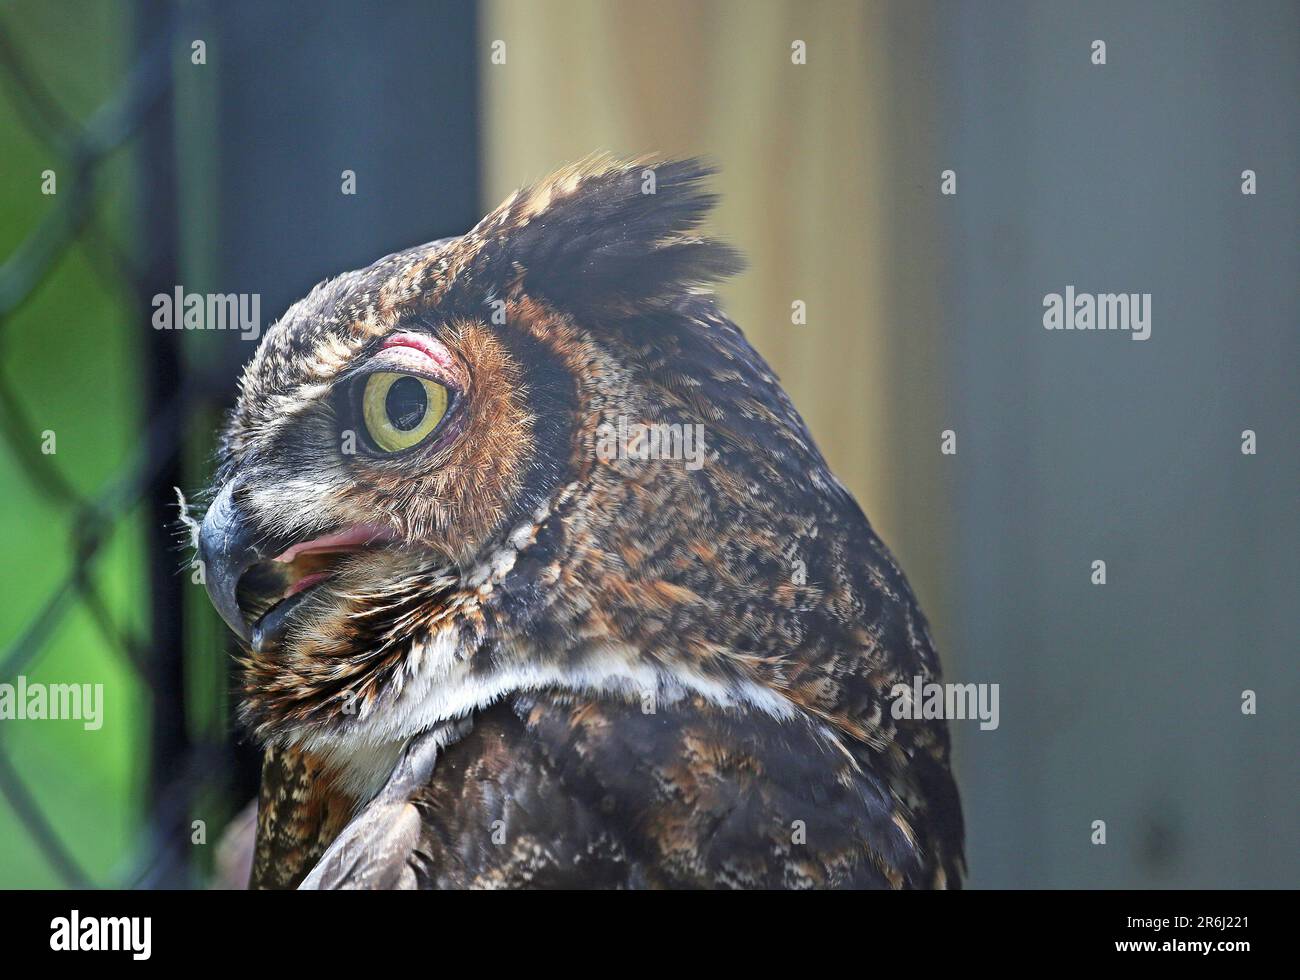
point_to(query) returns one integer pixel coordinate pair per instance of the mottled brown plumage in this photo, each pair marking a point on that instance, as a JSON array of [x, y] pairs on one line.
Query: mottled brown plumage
[[638, 672], [298, 815]]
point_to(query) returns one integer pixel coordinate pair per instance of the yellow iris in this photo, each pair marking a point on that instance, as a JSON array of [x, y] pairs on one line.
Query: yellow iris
[[401, 409]]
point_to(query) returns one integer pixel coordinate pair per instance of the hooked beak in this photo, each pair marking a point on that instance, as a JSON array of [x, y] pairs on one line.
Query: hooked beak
[[228, 548], [255, 580]]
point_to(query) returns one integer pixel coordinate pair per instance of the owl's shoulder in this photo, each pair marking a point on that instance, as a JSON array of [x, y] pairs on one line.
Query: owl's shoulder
[[552, 790]]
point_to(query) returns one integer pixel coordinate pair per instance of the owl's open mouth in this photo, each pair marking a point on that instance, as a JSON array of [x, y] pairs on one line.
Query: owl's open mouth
[[270, 592]]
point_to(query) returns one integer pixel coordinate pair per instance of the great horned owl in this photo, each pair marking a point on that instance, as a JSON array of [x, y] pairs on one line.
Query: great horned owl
[[541, 580]]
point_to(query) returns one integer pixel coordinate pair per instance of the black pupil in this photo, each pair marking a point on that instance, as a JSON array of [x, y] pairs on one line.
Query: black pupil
[[406, 403]]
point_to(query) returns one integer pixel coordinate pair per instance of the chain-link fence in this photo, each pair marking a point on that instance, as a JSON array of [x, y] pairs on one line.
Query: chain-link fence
[[198, 145], [176, 762]]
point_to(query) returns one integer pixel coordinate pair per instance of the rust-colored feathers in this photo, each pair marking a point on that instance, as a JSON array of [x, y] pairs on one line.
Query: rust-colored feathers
[[667, 671]]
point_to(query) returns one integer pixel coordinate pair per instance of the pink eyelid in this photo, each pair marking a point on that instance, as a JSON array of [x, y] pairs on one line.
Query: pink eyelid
[[426, 345]]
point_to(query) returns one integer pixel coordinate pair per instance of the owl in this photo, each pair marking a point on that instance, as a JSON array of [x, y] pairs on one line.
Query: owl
[[540, 580]]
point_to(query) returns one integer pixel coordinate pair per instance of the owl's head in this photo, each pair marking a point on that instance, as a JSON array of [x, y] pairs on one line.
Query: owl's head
[[534, 454]]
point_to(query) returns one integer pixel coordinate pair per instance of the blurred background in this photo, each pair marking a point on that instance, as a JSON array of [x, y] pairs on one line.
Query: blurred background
[[218, 166]]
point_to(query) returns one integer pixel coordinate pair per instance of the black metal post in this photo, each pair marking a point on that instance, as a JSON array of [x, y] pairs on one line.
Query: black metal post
[[158, 238]]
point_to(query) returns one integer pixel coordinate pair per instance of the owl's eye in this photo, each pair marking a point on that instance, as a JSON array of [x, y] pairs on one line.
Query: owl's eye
[[401, 409]]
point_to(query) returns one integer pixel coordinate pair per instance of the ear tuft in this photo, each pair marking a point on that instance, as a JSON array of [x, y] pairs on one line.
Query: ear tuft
[[606, 236]]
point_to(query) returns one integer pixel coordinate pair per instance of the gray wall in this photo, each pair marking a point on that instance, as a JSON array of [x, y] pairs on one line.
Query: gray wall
[[1123, 702]]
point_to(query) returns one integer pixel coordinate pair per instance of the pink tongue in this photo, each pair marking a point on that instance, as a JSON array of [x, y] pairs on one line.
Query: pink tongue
[[353, 537], [306, 582]]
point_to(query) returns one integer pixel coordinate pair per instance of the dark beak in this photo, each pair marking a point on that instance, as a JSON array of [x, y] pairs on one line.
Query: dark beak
[[229, 546]]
